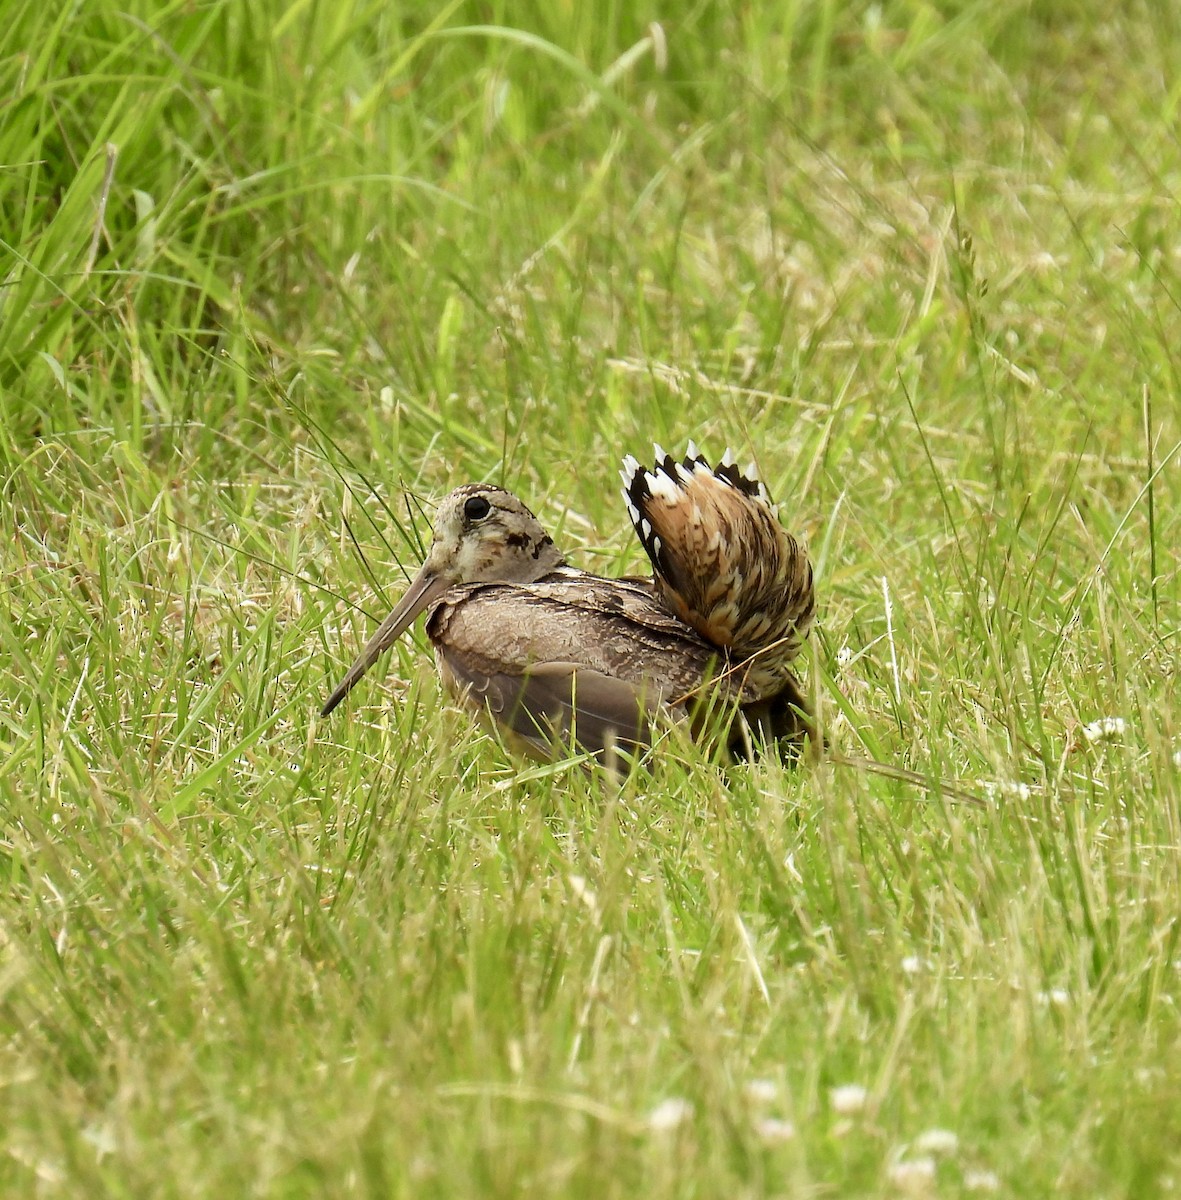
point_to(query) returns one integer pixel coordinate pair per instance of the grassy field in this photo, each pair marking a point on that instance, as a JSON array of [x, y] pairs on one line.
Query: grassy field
[[275, 277]]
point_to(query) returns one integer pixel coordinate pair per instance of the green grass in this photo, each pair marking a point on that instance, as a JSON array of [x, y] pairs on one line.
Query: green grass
[[274, 277]]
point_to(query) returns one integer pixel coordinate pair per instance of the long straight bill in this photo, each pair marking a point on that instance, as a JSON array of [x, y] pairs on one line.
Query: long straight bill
[[424, 590]]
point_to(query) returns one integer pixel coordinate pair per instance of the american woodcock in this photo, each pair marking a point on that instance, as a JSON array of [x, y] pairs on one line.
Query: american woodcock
[[552, 652]]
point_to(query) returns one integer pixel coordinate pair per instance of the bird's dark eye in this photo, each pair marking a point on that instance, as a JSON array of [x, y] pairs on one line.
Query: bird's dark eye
[[476, 508]]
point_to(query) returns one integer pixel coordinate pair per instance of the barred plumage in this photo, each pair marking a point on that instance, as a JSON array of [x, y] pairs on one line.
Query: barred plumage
[[722, 561]]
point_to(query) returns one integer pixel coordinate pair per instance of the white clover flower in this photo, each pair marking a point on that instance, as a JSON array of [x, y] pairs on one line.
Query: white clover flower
[[1005, 789], [1105, 729], [102, 1138], [761, 1091], [848, 1098], [670, 1113], [982, 1181], [912, 964], [774, 1130], [1058, 997], [937, 1141], [914, 1175]]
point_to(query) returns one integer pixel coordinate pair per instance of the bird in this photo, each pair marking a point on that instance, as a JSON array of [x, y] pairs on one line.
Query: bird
[[555, 654]]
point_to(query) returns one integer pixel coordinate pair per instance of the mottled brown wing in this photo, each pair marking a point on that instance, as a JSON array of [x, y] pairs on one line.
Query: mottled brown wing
[[559, 702], [575, 652], [621, 631]]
